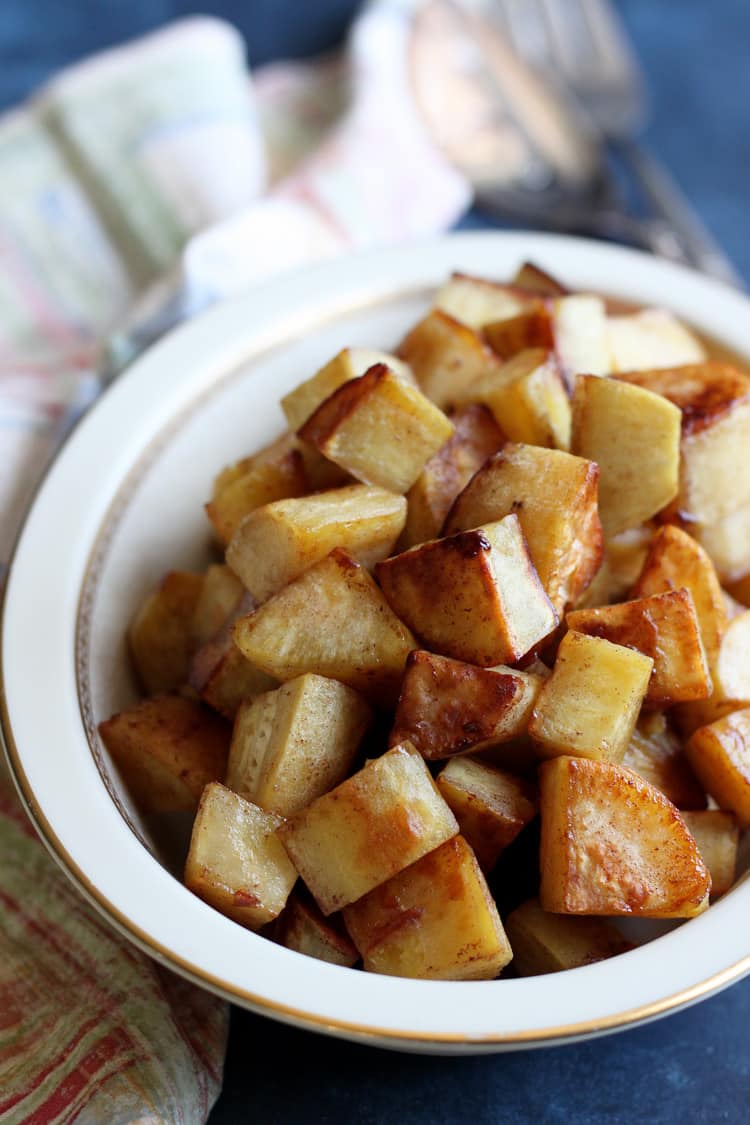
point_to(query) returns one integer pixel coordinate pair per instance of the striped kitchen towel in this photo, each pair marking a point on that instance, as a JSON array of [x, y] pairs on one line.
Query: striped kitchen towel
[[131, 196]]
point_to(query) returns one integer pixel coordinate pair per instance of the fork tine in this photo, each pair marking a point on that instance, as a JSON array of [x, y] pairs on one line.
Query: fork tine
[[526, 30], [570, 36], [609, 39]]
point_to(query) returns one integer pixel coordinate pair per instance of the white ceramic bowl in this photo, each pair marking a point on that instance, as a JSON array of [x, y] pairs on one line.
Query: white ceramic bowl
[[123, 502]]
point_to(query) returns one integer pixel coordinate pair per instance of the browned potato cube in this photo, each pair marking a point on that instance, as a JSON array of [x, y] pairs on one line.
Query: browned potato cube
[[655, 752], [740, 590], [291, 745], [160, 635], [612, 844], [533, 328], [167, 749], [554, 496], [730, 674], [384, 818], [675, 560], [477, 301], [474, 596], [717, 836], [534, 279], [490, 805], [236, 862], [728, 543], [446, 357], [277, 542], [475, 437], [220, 673], [590, 703], [350, 363], [270, 454], [581, 336], [622, 562], [732, 669], [262, 482], [664, 627], [332, 620], [550, 943], [379, 428], [528, 398], [714, 399], [651, 338], [302, 927], [448, 707], [220, 596], [634, 437], [224, 678], [434, 921], [720, 756]]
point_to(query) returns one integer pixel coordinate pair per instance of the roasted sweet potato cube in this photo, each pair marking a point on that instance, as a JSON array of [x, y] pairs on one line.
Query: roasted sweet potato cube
[[384, 818], [664, 627], [528, 398], [490, 805], [634, 437], [655, 752], [435, 921], [291, 745], [167, 749], [590, 703], [446, 357], [277, 542], [717, 836], [714, 400], [261, 483], [728, 543], [332, 620], [675, 560], [651, 338], [350, 363], [475, 437], [474, 596], [550, 943], [534, 279], [581, 336], [236, 862], [220, 596], [447, 707], [533, 328], [379, 428], [554, 496], [720, 756], [477, 301], [160, 635], [612, 844], [302, 927]]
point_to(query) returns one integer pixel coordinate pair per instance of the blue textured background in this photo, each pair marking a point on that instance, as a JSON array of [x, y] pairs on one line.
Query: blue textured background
[[691, 1067]]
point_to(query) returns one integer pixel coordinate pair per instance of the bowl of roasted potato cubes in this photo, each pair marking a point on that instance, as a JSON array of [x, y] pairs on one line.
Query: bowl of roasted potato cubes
[[377, 654]]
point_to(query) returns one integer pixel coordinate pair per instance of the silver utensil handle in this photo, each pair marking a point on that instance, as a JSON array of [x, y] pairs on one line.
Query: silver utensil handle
[[675, 231]]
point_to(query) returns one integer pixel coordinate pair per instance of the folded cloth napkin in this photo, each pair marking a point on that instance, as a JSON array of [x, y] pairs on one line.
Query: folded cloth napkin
[[158, 178]]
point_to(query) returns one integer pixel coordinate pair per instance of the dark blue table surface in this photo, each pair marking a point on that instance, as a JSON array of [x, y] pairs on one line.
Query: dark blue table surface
[[693, 1066]]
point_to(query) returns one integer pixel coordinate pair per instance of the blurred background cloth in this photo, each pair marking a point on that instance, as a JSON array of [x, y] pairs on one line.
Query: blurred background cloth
[[694, 55], [137, 1032]]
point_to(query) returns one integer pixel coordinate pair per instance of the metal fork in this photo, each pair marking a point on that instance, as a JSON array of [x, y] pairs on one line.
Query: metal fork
[[582, 46]]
